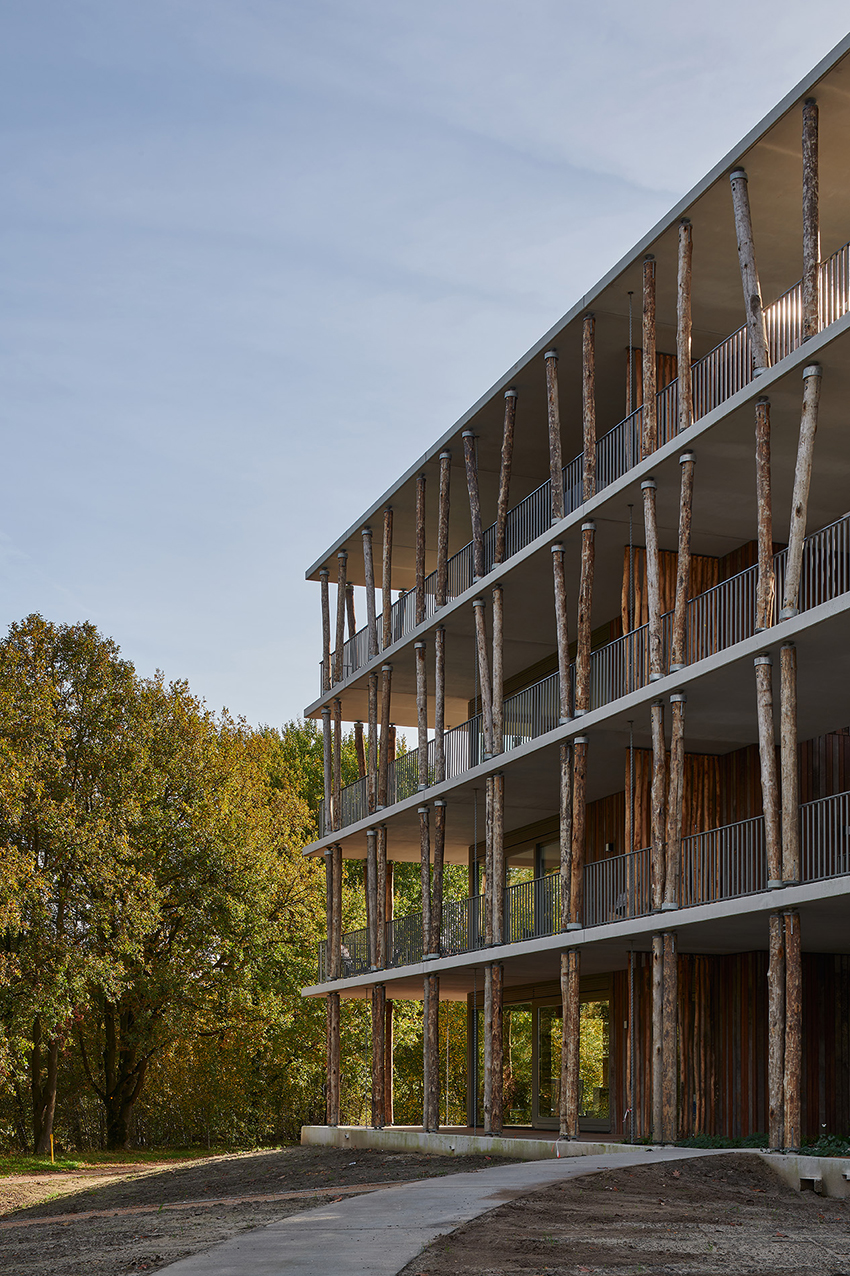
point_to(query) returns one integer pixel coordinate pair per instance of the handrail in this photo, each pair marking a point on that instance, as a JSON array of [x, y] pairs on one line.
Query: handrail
[[717, 619], [722, 863], [716, 377]]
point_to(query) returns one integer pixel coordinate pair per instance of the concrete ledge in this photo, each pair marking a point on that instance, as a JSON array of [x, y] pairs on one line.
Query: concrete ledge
[[399, 1139]]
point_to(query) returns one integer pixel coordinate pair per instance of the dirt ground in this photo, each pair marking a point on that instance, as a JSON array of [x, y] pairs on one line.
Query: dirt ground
[[138, 1219], [724, 1215]]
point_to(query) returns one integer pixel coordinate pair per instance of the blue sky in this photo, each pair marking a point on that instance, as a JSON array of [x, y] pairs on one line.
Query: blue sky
[[255, 253]]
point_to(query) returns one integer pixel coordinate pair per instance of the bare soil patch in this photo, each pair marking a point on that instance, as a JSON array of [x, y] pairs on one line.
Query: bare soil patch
[[724, 1215], [149, 1219]]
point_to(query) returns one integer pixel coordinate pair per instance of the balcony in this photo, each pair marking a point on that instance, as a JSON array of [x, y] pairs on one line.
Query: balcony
[[723, 863], [721, 373], [716, 620]]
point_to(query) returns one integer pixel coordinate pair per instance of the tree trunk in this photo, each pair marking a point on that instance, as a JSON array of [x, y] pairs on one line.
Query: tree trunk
[[749, 272], [766, 573], [505, 474], [556, 464], [43, 1088]]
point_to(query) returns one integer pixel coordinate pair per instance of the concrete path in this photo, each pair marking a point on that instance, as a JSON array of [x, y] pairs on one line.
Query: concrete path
[[379, 1233]]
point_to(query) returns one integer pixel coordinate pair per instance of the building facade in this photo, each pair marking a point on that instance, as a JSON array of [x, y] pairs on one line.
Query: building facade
[[615, 613]]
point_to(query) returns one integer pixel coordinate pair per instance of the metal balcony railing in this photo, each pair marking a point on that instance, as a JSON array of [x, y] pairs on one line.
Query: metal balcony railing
[[721, 373], [723, 863], [717, 619]]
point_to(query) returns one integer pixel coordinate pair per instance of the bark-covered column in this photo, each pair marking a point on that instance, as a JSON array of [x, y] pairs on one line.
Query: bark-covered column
[[497, 856], [670, 1044], [441, 592], [386, 582], [324, 576], [372, 763], [562, 630], [675, 801], [788, 759], [767, 757], [372, 895], [360, 750], [579, 830], [766, 573], [678, 644], [349, 610], [384, 895], [485, 685], [505, 474], [339, 652], [471, 462], [683, 325], [369, 577], [570, 1040], [657, 1040], [588, 406], [584, 628], [327, 758], [649, 432], [776, 1034], [653, 580], [793, 1075], [420, 652], [333, 863], [388, 1030], [800, 498], [386, 726], [420, 549], [439, 704], [493, 1052], [337, 714], [565, 833], [379, 1030], [658, 806], [431, 1054], [749, 273], [498, 672], [332, 1055], [811, 220], [556, 464]]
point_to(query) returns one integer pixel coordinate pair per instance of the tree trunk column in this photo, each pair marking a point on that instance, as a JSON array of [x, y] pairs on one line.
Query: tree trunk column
[[579, 831], [675, 801], [562, 630], [670, 1042], [584, 628], [749, 273], [339, 670], [327, 759], [369, 577], [766, 571], [379, 1028], [439, 704], [811, 221], [471, 463], [653, 580], [485, 684], [767, 756], [793, 1073], [420, 652], [658, 796], [386, 582], [649, 432], [493, 1052], [657, 1043], [505, 474], [565, 831], [386, 725], [802, 482], [776, 1034], [683, 325], [678, 645], [588, 406], [788, 757], [570, 1042], [442, 587], [324, 576], [332, 1089], [556, 464]]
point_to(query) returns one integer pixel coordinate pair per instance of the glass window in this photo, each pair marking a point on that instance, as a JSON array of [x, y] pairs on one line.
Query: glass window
[[593, 1054], [550, 1022]]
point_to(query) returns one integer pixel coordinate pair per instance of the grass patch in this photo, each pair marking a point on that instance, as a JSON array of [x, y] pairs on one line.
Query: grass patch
[[22, 1163]]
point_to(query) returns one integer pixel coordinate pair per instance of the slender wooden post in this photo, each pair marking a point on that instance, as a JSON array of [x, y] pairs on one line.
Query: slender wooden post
[[427, 1060], [675, 800], [384, 894], [386, 582], [379, 1045], [372, 771], [766, 573], [776, 1034], [657, 802], [431, 1038], [327, 758], [788, 757], [793, 1030], [360, 749], [683, 325], [580, 744], [497, 834], [584, 628], [329, 911], [588, 405], [383, 766], [570, 1038], [562, 630], [332, 1091], [488, 860], [670, 998], [336, 912], [484, 677], [657, 1037], [349, 610], [488, 1047], [565, 831], [653, 580], [767, 757], [369, 575], [342, 560], [811, 221], [439, 873], [505, 474], [649, 433], [420, 652], [498, 671], [439, 704], [337, 713], [372, 895], [493, 1055], [425, 874], [678, 651], [802, 481], [556, 464], [326, 630], [749, 273], [420, 549], [471, 463], [442, 588], [388, 1068]]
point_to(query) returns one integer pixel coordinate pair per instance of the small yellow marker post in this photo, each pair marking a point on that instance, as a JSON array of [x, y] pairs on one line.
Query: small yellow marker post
[[52, 1162]]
